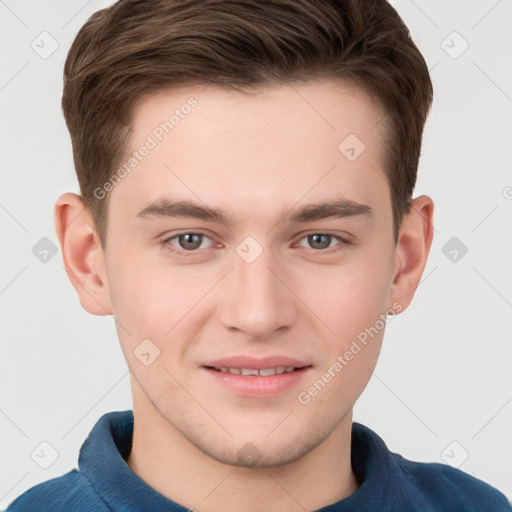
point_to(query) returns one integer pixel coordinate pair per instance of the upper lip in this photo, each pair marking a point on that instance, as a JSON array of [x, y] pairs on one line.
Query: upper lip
[[256, 363]]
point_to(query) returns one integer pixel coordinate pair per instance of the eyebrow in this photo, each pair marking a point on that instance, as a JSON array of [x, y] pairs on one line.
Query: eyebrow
[[339, 208]]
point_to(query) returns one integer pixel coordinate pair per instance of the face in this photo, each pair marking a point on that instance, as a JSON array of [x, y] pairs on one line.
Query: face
[[254, 233]]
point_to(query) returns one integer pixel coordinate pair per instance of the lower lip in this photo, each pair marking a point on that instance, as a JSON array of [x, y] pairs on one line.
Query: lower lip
[[258, 386]]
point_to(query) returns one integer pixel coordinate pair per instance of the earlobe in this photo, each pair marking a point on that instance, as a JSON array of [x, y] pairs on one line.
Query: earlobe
[[82, 253], [413, 247]]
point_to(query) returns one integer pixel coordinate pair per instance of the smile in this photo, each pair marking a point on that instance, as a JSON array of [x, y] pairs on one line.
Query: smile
[[264, 372]]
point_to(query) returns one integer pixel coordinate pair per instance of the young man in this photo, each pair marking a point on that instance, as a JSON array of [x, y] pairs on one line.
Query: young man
[[246, 215]]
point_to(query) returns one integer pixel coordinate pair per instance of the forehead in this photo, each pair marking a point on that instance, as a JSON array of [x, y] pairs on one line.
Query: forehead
[[257, 150], [327, 105]]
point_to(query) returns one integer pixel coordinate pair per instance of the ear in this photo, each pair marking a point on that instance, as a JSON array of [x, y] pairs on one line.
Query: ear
[[84, 259], [412, 249]]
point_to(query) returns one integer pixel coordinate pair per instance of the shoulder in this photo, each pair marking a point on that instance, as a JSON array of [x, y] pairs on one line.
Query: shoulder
[[449, 488], [404, 484], [68, 492]]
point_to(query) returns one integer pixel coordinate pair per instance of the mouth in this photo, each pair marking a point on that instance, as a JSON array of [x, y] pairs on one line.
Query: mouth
[[256, 378], [255, 372]]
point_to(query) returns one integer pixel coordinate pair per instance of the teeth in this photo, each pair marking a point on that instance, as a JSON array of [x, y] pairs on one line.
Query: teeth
[[253, 371], [247, 371]]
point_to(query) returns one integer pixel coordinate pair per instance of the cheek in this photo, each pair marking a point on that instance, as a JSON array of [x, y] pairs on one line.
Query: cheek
[[159, 302], [354, 301], [144, 297], [351, 298]]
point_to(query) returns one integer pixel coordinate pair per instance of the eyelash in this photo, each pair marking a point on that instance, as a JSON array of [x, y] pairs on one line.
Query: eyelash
[[166, 243]]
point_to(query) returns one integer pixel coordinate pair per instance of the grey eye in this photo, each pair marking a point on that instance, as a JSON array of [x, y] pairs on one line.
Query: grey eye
[[317, 242], [190, 241]]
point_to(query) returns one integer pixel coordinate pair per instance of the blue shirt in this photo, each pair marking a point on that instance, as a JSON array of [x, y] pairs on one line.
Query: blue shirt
[[388, 482]]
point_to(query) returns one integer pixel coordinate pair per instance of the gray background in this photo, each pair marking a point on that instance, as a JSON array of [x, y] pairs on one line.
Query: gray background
[[442, 390]]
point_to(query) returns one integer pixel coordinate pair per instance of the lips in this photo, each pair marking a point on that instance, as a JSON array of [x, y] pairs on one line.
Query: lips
[[257, 377]]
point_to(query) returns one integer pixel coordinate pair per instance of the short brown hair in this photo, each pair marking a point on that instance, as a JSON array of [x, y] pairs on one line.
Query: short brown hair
[[137, 47]]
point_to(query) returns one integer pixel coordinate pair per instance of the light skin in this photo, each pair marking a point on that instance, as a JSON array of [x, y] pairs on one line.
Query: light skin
[[259, 159]]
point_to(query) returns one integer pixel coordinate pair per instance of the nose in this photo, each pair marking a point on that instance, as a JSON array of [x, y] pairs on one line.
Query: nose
[[259, 298]]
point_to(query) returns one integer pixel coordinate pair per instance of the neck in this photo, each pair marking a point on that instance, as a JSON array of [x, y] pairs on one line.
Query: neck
[[177, 469]]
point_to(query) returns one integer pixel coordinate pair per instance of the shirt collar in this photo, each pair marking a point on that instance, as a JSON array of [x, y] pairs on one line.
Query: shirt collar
[[102, 462]]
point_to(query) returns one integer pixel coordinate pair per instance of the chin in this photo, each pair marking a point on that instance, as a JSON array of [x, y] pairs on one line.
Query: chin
[[259, 447], [250, 455]]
